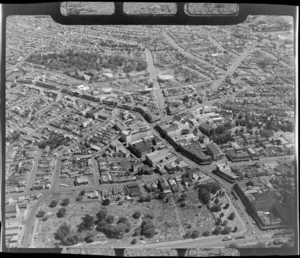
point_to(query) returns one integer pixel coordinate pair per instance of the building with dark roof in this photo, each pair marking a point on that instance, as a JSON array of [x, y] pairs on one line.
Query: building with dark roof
[[206, 129], [132, 189], [140, 148], [214, 150], [194, 152], [234, 156]]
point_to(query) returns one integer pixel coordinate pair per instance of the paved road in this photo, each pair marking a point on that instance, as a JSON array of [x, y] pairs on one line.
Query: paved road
[[30, 218], [21, 61], [233, 67], [185, 53], [156, 87], [33, 171], [220, 47]]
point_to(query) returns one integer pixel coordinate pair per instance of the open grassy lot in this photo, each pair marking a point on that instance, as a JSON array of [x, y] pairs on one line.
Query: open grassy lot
[[194, 215], [171, 219], [165, 220], [227, 211]]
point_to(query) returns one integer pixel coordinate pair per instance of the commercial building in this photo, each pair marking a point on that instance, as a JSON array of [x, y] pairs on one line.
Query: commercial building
[[133, 130], [132, 189], [206, 129], [157, 156], [214, 150]]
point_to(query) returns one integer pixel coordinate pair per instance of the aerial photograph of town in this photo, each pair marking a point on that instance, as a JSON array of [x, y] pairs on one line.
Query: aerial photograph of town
[[150, 140]]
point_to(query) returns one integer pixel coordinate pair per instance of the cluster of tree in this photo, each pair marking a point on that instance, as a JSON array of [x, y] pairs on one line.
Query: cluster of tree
[[147, 198], [53, 141], [147, 226], [87, 223], [206, 233], [65, 235], [219, 230], [222, 138], [204, 195], [104, 224], [206, 190], [191, 234], [84, 61]]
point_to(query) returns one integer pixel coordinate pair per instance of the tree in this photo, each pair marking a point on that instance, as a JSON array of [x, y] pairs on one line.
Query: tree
[[195, 234], [142, 198], [218, 222], [61, 212], [87, 223], [137, 231], [187, 234], [216, 201], [231, 216], [226, 230], [148, 228], [228, 125], [101, 215], [220, 129], [161, 196], [148, 198], [62, 232], [110, 219], [79, 198], [206, 233], [216, 208], [186, 98], [133, 242], [71, 240], [53, 203], [215, 187], [89, 238], [40, 214], [204, 195], [217, 230], [65, 202], [235, 229], [225, 222], [102, 226], [126, 222], [82, 193], [136, 215], [226, 206], [105, 202]]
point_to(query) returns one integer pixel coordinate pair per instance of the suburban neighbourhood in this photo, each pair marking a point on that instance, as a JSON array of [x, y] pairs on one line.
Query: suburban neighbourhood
[[150, 137]]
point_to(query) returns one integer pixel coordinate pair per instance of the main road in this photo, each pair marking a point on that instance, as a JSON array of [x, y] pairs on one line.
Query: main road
[[156, 87]]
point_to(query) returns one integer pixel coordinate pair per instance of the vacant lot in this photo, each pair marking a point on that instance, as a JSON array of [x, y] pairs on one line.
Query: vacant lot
[[165, 219], [194, 215]]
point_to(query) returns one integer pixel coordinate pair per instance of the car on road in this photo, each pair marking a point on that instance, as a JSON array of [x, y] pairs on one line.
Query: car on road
[[227, 238], [239, 237]]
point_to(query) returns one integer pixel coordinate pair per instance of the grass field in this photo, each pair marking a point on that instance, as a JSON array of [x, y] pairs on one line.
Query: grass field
[[171, 220]]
